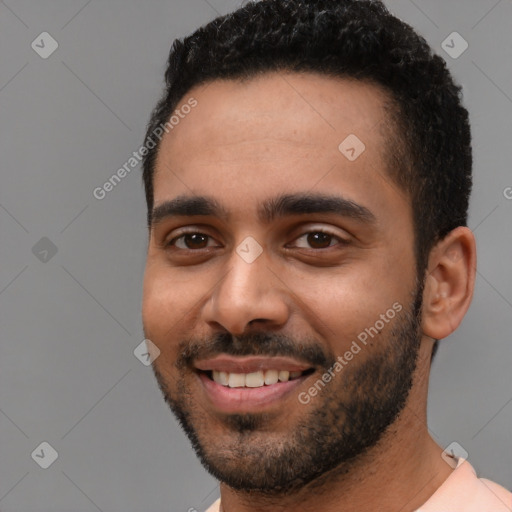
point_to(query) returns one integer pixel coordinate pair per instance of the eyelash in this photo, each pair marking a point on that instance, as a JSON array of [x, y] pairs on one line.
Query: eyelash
[[340, 241], [171, 242]]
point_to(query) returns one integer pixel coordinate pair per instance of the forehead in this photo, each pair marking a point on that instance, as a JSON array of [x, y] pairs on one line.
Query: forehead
[[279, 131]]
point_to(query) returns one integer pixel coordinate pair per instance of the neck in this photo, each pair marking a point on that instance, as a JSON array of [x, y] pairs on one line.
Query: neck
[[400, 473]]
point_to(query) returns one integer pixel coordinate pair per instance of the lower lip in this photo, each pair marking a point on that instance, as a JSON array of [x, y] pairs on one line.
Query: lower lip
[[235, 400]]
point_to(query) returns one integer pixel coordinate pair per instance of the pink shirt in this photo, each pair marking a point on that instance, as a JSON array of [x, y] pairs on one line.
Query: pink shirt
[[462, 491]]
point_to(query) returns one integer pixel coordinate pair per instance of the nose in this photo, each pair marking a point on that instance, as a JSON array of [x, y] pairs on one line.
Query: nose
[[248, 293]]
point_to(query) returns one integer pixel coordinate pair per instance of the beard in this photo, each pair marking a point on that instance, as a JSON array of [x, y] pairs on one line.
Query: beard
[[340, 424]]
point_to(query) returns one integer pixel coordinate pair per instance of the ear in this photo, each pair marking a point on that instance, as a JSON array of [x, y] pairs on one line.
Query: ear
[[449, 283]]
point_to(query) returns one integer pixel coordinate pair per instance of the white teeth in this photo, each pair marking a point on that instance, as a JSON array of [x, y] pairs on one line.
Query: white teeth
[[284, 375], [236, 380], [221, 377], [271, 377], [254, 379]]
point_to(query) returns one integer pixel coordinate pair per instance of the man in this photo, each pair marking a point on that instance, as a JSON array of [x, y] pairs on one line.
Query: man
[[307, 181]]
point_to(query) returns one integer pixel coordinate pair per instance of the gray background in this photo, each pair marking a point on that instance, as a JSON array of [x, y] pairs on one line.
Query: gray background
[[70, 322]]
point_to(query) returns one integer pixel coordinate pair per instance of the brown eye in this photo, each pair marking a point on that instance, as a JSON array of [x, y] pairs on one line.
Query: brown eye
[[191, 241], [319, 240], [195, 240]]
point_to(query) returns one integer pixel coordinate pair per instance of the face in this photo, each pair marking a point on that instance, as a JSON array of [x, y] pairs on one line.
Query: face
[[280, 285]]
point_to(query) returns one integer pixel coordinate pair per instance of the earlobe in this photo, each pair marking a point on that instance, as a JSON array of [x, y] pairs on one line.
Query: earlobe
[[449, 283]]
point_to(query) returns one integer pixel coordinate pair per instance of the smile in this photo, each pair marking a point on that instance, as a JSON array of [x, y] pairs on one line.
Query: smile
[[254, 379], [234, 384]]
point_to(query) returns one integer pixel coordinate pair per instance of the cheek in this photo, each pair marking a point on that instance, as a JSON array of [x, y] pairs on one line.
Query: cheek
[[340, 305], [165, 306], [162, 314]]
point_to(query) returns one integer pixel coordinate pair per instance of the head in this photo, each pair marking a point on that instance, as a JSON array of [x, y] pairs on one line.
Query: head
[[309, 203]]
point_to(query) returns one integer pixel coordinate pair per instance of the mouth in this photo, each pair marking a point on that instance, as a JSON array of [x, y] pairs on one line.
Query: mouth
[[251, 384], [256, 379]]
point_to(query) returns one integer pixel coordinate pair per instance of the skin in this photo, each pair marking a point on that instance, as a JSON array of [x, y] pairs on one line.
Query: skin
[[244, 143]]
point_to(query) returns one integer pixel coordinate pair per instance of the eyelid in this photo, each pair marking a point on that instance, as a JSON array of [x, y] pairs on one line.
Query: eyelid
[[203, 230], [337, 241], [306, 230], [190, 231]]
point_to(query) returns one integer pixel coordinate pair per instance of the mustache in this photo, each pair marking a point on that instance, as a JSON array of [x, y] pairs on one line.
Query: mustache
[[266, 344]]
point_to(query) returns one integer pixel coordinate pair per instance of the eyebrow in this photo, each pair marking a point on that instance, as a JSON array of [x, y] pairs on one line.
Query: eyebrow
[[269, 210]]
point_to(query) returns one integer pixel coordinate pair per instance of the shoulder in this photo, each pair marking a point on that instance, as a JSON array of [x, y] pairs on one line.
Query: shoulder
[[463, 491], [500, 492]]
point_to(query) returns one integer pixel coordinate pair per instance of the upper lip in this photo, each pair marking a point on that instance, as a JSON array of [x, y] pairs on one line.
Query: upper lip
[[231, 364]]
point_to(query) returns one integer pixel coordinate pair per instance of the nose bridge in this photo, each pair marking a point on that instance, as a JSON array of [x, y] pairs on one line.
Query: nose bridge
[[245, 282], [248, 291]]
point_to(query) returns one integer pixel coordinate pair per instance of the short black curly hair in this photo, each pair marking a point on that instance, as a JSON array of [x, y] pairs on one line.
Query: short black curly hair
[[356, 39]]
